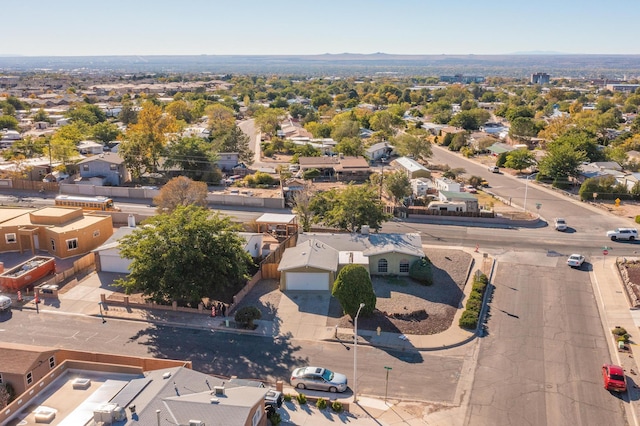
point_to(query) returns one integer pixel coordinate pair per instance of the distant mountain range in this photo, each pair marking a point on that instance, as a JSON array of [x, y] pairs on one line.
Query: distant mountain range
[[514, 65]]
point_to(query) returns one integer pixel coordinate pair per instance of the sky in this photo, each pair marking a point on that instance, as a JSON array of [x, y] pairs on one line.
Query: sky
[[305, 27]]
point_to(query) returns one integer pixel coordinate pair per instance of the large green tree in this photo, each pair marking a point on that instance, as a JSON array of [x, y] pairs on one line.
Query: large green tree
[[397, 186], [193, 155], [561, 162], [519, 159], [418, 147], [350, 208], [185, 256]]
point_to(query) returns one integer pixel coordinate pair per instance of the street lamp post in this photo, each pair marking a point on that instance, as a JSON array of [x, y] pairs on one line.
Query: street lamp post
[[526, 189], [355, 355]]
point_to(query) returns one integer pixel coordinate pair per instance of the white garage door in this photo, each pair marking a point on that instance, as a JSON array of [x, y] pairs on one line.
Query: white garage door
[[110, 263], [307, 281]]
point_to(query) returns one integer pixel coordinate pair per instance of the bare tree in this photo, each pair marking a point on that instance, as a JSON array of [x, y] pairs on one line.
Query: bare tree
[[181, 191], [302, 207]]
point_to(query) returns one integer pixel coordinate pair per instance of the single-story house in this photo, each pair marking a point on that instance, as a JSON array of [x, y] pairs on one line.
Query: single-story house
[[89, 147], [446, 184], [313, 264], [469, 199], [378, 150], [411, 167], [340, 167], [421, 186]]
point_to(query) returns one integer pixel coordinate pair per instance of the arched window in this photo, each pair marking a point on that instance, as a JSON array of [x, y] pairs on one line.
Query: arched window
[[404, 266], [383, 266]]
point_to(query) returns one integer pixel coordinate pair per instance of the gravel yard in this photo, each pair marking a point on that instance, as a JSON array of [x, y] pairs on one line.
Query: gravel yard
[[403, 306], [406, 307]]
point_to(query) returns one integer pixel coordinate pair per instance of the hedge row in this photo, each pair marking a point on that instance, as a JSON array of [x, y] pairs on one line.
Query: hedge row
[[471, 314]]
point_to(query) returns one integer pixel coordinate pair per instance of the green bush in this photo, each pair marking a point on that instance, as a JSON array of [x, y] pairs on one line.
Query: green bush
[[637, 219], [287, 397], [246, 315], [471, 315], [352, 287], [469, 320], [422, 271], [474, 305], [301, 398], [337, 406], [619, 331], [321, 404], [275, 419]]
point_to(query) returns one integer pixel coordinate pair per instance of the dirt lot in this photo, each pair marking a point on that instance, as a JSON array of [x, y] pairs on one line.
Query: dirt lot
[[403, 306]]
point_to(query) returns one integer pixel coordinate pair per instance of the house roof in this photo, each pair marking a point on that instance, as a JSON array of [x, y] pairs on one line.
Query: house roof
[[311, 254], [182, 394], [20, 359], [500, 148], [107, 157], [453, 195], [276, 218], [369, 244], [409, 164]]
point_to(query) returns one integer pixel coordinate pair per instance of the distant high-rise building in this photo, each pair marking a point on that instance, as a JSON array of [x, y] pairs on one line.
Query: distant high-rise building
[[459, 78], [540, 78]]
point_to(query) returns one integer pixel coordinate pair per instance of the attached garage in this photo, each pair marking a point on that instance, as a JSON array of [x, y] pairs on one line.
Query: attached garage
[[110, 261], [311, 265], [307, 280]]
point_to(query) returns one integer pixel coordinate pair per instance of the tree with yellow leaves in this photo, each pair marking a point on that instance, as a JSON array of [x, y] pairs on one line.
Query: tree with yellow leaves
[[146, 139]]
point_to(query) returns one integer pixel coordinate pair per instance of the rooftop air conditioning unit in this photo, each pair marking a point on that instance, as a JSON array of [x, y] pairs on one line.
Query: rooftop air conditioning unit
[[219, 390], [196, 423]]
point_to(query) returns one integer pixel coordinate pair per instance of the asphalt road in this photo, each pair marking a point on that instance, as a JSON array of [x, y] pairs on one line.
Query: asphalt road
[[226, 354], [540, 362]]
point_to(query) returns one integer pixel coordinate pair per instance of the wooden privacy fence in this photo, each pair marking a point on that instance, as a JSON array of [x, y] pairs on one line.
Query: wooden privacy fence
[[32, 185], [269, 266], [85, 264]]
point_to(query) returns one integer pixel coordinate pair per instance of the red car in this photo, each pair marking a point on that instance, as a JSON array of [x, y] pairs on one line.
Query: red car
[[614, 378]]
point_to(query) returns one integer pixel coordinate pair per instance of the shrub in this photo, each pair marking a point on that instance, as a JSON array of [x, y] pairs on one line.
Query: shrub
[[287, 397], [246, 315], [422, 271], [352, 287], [337, 406], [469, 319], [471, 315], [474, 305], [275, 419], [301, 398], [321, 404], [619, 331]]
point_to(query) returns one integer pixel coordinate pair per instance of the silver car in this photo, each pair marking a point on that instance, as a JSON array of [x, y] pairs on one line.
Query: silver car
[[319, 379]]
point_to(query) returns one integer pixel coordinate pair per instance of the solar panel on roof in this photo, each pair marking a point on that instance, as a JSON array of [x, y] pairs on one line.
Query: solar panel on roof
[[130, 391]]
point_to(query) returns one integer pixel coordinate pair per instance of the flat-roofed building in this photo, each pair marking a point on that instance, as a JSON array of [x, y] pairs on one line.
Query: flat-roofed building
[[61, 231]]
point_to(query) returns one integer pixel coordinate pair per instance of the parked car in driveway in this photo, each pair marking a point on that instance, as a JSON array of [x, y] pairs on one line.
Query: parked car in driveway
[[318, 378], [614, 378], [560, 224], [575, 260], [630, 234], [5, 303]]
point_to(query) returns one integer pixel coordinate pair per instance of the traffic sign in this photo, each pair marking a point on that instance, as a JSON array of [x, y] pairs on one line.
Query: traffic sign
[[605, 252]]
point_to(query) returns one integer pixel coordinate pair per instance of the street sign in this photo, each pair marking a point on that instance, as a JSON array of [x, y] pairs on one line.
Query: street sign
[[605, 252]]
